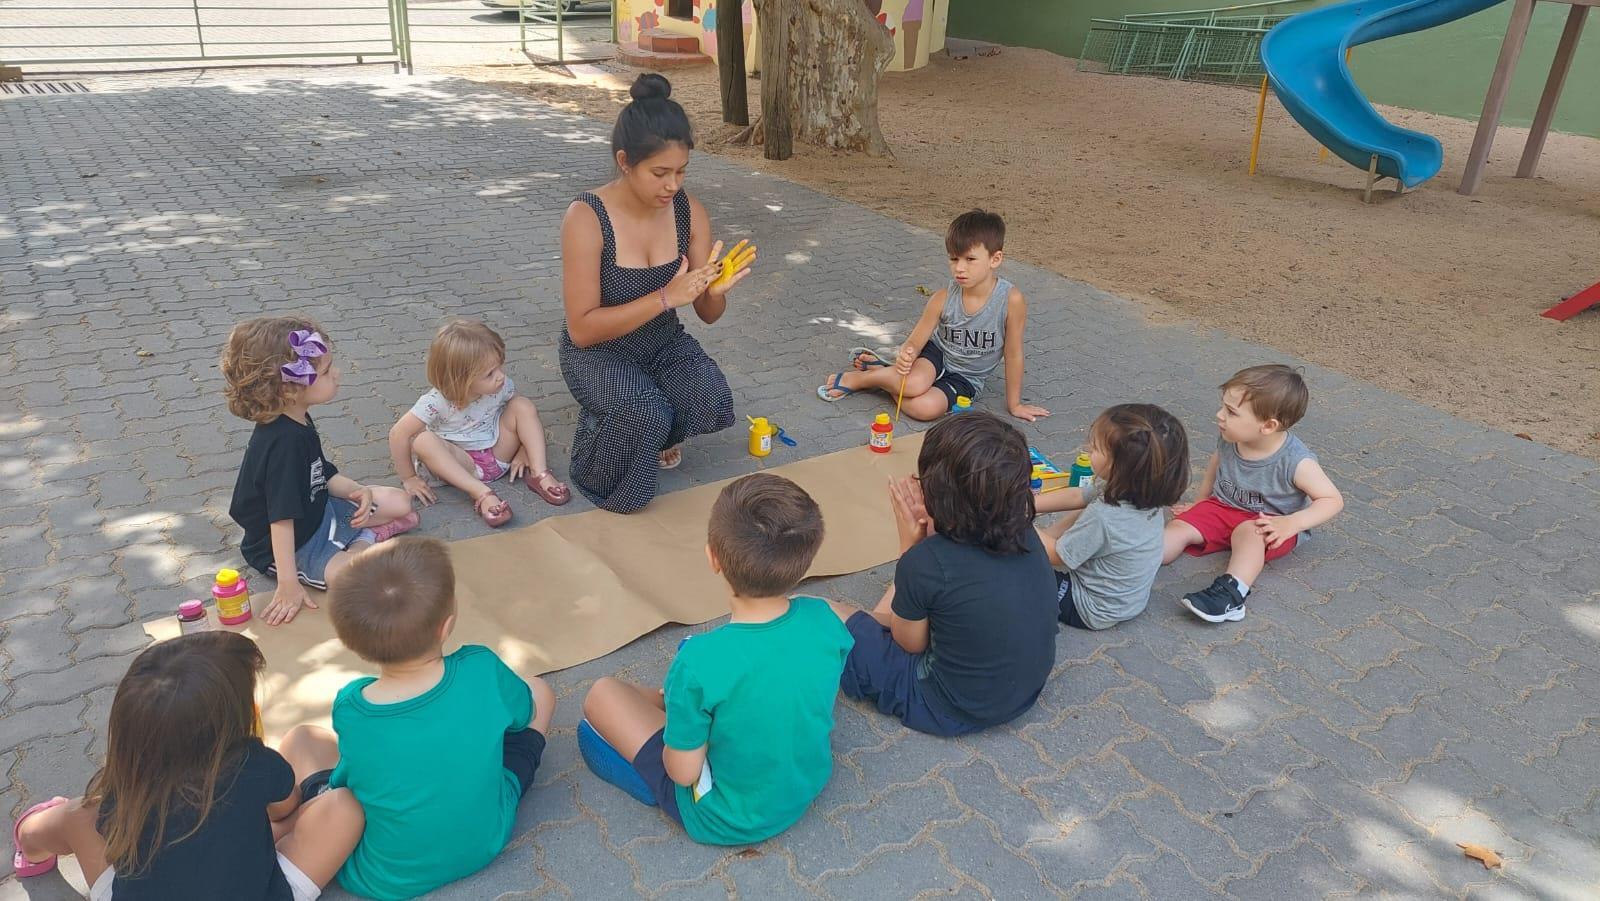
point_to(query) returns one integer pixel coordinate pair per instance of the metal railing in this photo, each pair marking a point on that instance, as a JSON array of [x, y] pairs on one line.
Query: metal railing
[[537, 22], [206, 31], [1220, 45], [38, 33]]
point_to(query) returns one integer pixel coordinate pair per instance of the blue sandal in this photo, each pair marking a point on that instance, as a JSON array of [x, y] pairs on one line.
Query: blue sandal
[[838, 379], [856, 353], [611, 766]]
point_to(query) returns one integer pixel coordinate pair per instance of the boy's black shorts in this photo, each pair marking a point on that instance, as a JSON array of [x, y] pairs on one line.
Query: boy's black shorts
[[952, 384]]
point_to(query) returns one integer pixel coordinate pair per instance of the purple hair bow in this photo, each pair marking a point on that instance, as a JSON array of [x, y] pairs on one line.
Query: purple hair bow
[[307, 346]]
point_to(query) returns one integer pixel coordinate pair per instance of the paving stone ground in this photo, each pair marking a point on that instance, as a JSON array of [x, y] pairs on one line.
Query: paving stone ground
[[1421, 673]]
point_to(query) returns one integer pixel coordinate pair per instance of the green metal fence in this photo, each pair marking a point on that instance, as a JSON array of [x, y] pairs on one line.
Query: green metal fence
[[196, 32], [45, 34], [1221, 44], [539, 25]]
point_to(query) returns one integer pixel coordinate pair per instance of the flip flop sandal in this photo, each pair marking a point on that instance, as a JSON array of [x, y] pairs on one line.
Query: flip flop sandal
[[856, 353], [611, 766], [838, 377], [679, 449], [555, 496], [20, 864], [493, 520]]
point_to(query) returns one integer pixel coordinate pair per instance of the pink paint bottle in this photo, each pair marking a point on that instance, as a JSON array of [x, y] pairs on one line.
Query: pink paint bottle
[[233, 598]]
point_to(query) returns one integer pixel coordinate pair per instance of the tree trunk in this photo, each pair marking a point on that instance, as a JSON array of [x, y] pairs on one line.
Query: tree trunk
[[820, 61], [730, 61]]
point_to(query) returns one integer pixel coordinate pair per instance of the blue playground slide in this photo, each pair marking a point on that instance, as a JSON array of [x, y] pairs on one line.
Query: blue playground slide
[[1304, 58]]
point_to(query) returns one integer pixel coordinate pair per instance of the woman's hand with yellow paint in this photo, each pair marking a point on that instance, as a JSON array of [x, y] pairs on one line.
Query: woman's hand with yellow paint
[[735, 265]]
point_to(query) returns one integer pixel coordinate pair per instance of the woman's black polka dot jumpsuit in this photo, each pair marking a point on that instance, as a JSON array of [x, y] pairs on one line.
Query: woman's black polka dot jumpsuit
[[643, 392]]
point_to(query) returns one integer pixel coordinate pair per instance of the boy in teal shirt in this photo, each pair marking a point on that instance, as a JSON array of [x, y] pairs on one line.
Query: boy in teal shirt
[[439, 749], [737, 744]]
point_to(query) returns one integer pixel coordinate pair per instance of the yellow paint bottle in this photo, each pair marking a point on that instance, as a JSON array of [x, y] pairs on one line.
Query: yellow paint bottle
[[761, 432]]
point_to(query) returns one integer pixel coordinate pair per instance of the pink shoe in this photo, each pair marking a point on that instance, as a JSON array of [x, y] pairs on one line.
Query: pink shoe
[[23, 867], [399, 527]]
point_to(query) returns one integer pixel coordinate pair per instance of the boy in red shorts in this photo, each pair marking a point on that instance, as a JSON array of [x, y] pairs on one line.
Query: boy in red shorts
[[1262, 488]]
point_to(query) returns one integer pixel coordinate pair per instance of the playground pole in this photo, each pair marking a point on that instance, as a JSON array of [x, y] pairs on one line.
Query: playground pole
[[1261, 113]]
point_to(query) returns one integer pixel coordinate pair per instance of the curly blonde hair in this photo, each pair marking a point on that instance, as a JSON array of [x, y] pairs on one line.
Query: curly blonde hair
[[256, 348], [456, 356]]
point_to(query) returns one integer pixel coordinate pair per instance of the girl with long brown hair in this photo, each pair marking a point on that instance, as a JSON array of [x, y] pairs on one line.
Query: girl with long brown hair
[[190, 803]]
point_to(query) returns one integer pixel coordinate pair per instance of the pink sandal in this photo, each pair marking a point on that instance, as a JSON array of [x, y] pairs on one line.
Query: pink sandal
[[556, 495], [400, 526], [493, 517], [20, 864]]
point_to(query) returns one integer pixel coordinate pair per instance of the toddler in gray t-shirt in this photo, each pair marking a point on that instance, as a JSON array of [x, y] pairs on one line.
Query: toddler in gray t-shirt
[[1262, 489], [1111, 548]]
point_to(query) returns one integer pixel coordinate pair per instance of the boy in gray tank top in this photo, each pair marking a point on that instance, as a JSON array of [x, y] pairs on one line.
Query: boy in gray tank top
[[967, 329], [1262, 489]]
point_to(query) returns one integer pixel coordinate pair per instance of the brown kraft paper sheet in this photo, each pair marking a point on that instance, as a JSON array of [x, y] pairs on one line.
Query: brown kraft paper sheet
[[569, 589]]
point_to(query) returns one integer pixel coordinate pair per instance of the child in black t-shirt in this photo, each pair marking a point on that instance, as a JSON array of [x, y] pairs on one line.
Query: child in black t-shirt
[[298, 513], [183, 729], [965, 637]]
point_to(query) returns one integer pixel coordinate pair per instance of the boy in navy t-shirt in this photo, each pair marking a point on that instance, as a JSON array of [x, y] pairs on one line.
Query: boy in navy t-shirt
[[965, 637]]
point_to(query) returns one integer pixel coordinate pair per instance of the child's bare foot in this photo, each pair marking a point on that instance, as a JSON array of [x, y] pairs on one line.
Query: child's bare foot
[[671, 457]]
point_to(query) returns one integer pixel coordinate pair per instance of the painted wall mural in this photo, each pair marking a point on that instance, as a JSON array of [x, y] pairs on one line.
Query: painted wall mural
[[918, 27]]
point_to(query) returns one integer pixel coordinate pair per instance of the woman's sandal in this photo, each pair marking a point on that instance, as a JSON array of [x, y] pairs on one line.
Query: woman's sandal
[[675, 463], [838, 385], [23, 867], [556, 495], [874, 358], [496, 518]]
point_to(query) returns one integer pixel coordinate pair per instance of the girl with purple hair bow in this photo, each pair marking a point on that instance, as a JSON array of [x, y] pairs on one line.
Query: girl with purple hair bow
[[303, 521]]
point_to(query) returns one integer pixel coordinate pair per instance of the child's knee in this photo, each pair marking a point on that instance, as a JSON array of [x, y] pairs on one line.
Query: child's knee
[[843, 611], [544, 704], [600, 694], [1245, 534], [927, 406], [391, 502], [340, 806], [519, 405]]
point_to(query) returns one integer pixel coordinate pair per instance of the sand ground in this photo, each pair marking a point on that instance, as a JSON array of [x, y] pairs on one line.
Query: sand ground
[[1139, 186]]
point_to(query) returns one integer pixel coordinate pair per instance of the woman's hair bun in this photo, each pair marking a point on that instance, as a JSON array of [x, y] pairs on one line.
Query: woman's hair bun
[[650, 86]]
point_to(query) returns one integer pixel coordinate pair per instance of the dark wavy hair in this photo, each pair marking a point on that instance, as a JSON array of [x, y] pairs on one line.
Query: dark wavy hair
[[652, 121], [974, 470], [1149, 453]]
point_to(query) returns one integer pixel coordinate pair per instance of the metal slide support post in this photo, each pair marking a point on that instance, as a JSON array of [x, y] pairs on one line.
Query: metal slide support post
[[561, 31], [1261, 114], [522, 26], [1372, 176]]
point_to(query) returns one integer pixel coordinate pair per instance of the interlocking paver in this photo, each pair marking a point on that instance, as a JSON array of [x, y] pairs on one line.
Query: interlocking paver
[[1420, 673]]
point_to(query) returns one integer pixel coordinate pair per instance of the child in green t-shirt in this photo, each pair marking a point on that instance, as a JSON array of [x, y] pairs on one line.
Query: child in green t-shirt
[[736, 746], [439, 748]]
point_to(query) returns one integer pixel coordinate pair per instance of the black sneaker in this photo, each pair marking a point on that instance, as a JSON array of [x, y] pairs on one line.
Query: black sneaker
[[1218, 603]]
